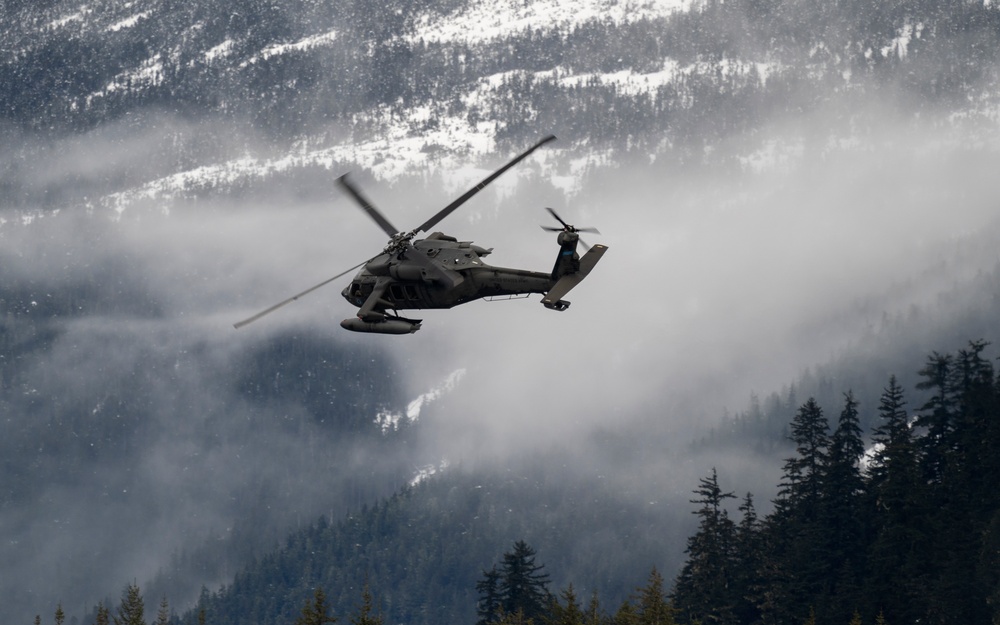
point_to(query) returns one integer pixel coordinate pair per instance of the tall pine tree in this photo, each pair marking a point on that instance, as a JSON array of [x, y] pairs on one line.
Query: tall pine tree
[[523, 585], [316, 612], [749, 559], [896, 502], [131, 609], [489, 607], [843, 522], [652, 606], [794, 570], [703, 590]]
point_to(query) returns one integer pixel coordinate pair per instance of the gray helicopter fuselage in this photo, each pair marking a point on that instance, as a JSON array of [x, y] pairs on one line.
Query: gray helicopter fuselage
[[408, 285]]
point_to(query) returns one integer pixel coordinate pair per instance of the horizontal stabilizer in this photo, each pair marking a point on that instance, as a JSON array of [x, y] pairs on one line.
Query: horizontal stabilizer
[[563, 286]]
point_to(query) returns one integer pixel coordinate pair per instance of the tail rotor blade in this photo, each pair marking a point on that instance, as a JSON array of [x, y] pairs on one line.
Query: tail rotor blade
[[566, 227]]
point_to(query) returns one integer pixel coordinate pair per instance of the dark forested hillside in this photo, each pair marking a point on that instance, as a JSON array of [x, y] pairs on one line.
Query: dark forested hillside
[[423, 550], [902, 529], [905, 533]]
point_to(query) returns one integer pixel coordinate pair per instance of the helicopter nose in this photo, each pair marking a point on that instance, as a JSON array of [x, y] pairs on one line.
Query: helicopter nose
[[352, 293]]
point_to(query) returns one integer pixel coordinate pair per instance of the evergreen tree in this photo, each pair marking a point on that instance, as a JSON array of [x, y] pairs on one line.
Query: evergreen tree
[[803, 473], [989, 565], [895, 490], [652, 605], [60, 615], [794, 570], [366, 614], [131, 609], [747, 565], [102, 617], [489, 606], [894, 451], [936, 415], [316, 612], [843, 525], [517, 618], [203, 599], [594, 614], [523, 585], [703, 587], [972, 470], [567, 612], [626, 615], [960, 499], [163, 613]]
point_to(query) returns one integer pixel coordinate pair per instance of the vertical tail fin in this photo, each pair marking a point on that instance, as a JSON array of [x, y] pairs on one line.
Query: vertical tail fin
[[553, 299], [568, 261]]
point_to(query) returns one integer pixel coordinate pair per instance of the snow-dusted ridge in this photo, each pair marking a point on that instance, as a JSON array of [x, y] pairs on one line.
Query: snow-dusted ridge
[[483, 20], [422, 138], [129, 22], [302, 45]]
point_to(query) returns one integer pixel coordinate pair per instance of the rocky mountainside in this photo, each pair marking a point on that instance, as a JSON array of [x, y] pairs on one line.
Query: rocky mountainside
[[221, 93]]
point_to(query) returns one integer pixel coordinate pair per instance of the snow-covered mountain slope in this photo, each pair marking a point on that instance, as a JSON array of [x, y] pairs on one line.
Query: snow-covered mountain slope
[[484, 20], [450, 89]]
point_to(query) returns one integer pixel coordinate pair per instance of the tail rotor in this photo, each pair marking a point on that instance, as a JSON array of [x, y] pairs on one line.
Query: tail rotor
[[569, 228]]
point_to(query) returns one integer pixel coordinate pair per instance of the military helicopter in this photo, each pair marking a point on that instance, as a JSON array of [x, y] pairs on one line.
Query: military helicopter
[[439, 271]]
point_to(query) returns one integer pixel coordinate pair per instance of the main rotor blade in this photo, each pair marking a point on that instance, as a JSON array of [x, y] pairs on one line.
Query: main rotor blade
[[291, 299], [368, 207], [447, 210]]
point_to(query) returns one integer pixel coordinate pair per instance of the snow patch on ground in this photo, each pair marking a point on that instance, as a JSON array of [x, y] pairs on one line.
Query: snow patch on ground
[[128, 22], [224, 49], [389, 421], [191, 180], [308, 43], [427, 471], [484, 20], [72, 17], [149, 74]]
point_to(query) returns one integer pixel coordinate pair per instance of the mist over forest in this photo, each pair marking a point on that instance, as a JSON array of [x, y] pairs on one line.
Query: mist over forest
[[798, 202]]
